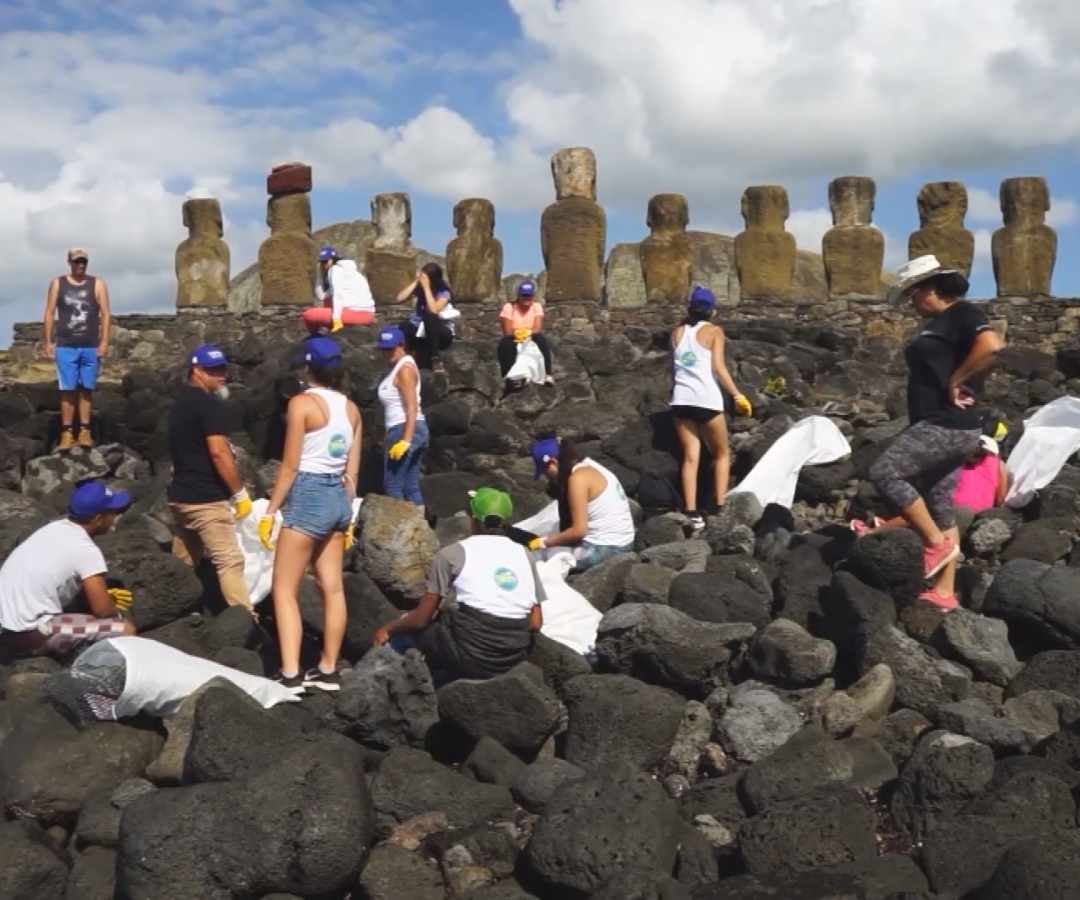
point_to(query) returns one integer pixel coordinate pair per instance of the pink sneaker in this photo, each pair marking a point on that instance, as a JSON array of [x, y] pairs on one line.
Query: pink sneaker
[[859, 527], [937, 556], [938, 599]]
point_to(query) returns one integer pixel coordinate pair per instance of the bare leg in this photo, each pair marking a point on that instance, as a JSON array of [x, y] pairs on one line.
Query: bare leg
[[918, 517], [86, 401], [328, 559], [67, 409], [716, 437], [691, 459], [294, 549], [946, 581]]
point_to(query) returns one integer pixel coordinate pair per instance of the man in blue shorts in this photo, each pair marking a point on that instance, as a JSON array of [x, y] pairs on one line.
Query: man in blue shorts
[[77, 321]]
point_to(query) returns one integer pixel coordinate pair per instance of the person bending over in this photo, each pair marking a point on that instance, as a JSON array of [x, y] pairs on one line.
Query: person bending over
[[520, 321], [499, 600], [46, 575], [344, 293], [594, 514]]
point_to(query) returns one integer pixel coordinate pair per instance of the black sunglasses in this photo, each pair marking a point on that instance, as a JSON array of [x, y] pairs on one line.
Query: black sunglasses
[[79, 259]]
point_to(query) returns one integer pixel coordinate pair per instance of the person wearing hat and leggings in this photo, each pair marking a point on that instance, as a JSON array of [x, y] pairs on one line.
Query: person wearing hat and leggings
[[344, 293], [499, 600], [918, 472], [207, 496], [406, 429], [314, 490], [76, 335], [697, 402], [56, 567], [523, 320]]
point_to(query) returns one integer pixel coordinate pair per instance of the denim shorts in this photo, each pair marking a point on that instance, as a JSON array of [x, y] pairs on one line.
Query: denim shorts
[[587, 555], [77, 367], [317, 505]]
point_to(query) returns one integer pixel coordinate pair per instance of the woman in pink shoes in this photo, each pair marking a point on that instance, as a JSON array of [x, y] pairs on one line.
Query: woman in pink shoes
[[919, 471]]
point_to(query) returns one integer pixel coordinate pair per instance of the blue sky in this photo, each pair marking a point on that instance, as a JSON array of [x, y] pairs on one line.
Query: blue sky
[[117, 112]]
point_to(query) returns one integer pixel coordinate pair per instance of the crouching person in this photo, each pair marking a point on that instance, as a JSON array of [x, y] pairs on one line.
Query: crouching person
[[499, 597], [47, 573]]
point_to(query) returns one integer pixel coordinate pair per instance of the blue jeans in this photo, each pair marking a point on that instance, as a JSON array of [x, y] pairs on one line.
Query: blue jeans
[[587, 555], [317, 505], [401, 478]]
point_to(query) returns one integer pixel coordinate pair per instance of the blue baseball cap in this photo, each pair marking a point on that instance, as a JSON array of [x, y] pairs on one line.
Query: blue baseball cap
[[702, 296], [92, 497], [543, 452], [321, 350], [527, 288], [391, 337], [209, 356], [328, 251]]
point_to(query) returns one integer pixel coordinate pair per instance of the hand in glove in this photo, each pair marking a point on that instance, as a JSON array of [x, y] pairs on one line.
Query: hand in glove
[[537, 543], [522, 334], [398, 450], [337, 326], [121, 598], [241, 502], [742, 405], [266, 530]]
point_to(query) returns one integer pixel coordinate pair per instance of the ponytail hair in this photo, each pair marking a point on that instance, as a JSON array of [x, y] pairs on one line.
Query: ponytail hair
[[568, 458]]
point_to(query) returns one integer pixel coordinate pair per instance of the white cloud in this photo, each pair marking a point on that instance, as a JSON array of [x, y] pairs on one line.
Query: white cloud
[[983, 206], [809, 226], [1063, 211]]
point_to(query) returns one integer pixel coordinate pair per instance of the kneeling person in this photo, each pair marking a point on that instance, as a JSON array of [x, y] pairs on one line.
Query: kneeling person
[[498, 600], [44, 575]]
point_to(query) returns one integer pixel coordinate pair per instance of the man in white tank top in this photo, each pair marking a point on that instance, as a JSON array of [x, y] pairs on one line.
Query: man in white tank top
[[499, 596]]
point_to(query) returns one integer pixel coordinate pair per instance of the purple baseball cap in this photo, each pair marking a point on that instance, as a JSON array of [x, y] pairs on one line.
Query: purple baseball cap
[[543, 452], [209, 356]]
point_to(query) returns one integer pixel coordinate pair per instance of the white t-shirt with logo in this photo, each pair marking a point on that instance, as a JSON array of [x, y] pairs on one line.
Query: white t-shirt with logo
[[44, 574], [490, 573]]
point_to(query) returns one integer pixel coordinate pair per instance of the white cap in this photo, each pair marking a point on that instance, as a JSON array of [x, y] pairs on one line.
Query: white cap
[[989, 445]]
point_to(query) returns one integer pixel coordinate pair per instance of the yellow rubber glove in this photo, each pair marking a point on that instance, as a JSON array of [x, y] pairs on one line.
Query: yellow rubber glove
[[350, 536], [537, 543], [522, 334], [398, 450], [266, 529], [241, 502], [337, 326], [742, 405], [121, 598]]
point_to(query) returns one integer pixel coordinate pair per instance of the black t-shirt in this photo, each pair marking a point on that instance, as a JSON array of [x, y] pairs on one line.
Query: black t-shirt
[[932, 356], [194, 415]]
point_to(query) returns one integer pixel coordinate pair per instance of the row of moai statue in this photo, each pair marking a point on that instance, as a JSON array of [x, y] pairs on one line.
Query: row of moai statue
[[573, 234]]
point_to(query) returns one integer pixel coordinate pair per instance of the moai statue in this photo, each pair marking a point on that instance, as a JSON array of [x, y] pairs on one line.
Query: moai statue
[[764, 252], [853, 249], [474, 258], [287, 257], [391, 261], [202, 260], [573, 229], [1025, 249], [665, 253], [942, 207]]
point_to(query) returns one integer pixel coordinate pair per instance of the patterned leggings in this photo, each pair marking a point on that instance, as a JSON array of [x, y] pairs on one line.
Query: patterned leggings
[[925, 460]]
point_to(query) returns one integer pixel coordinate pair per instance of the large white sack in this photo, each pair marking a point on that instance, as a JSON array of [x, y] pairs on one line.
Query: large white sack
[[529, 365], [1050, 437]]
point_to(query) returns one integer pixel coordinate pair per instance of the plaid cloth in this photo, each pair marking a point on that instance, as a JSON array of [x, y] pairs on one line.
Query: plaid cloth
[[70, 630]]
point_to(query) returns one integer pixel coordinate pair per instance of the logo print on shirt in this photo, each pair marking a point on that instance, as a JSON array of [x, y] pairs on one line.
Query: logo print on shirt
[[336, 446], [506, 578], [687, 358]]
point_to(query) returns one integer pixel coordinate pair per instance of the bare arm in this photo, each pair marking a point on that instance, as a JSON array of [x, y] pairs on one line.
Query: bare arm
[[221, 456], [1002, 484], [435, 304], [507, 326], [988, 344], [405, 382], [352, 464], [404, 293], [295, 426], [50, 316], [578, 496], [101, 290], [416, 619], [719, 363], [539, 326], [536, 618], [97, 597]]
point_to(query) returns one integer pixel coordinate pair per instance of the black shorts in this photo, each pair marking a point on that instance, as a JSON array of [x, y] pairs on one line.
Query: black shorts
[[698, 414]]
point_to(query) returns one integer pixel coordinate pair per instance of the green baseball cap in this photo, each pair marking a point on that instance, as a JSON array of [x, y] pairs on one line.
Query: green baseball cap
[[489, 502]]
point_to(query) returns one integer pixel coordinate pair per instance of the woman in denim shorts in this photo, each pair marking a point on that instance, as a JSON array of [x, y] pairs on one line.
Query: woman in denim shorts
[[314, 490]]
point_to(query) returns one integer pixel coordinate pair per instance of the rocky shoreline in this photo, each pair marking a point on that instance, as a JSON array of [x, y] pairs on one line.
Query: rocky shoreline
[[770, 714]]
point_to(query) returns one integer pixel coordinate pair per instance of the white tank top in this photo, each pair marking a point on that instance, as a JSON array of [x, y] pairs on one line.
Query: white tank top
[[326, 449], [610, 522], [496, 578], [390, 396], [695, 382]]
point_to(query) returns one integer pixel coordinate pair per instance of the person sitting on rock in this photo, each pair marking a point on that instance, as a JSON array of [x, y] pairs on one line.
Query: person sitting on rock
[[499, 598], [55, 567], [984, 479], [344, 293], [428, 331], [697, 403], [594, 514], [918, 472], [523, 320]]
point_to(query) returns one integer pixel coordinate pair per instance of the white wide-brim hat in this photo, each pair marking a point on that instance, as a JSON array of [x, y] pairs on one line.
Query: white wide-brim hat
[[990, 445], [915, 271]]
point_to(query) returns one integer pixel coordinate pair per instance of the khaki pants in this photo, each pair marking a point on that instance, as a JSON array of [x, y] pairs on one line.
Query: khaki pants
[[209, 529]]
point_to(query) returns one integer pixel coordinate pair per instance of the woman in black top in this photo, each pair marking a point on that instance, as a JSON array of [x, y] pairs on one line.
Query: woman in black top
[[919, 470], [431, 294]]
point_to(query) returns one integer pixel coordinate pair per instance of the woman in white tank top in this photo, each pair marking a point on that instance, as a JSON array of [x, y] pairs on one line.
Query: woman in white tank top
[[594, 514], [697, 403], [314, 490], [406, 428]]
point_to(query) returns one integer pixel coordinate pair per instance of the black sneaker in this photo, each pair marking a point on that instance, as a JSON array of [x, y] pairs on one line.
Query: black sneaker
[[697, 521], [294, 683], [317, 678]]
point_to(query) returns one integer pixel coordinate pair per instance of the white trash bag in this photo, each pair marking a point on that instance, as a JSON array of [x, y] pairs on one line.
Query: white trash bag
[[529, 365]]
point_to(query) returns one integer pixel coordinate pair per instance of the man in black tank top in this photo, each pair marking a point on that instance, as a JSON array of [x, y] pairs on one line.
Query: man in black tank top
[[76, 335]]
